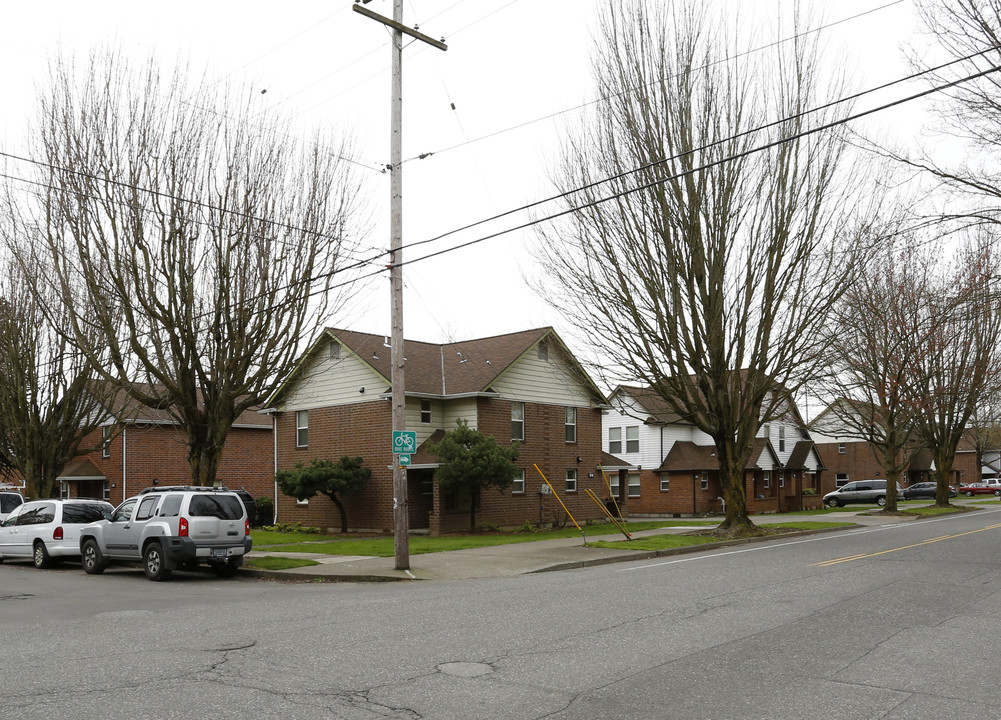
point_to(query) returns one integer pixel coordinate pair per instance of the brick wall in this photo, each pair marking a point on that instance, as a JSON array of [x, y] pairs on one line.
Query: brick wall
[[366, 430], [159, 452]]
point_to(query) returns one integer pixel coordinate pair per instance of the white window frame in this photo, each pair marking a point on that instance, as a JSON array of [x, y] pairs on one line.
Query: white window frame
[[613, 484], [518, 483], [301, 428], [782, 479], [517, 420], [767, 474], [425, 412], [571, 486], [633, 443], [846, 477], [106, 441], [704, 479], [570, 423], [842, 449], [615, 440], [633, 485], [665, 482], [782, 439]]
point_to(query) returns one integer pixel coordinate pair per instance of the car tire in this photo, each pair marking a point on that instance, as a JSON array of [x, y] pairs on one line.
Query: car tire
[[40, 556], [881, 501], [154, 563], [833, 503], [997, 493], [968, 493], [90, 558]]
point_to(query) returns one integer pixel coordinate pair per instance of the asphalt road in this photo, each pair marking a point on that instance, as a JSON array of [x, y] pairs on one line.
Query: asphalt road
[[900, 621]]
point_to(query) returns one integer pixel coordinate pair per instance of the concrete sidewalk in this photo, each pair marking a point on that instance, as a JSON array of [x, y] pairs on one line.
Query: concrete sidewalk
[[512, 559]]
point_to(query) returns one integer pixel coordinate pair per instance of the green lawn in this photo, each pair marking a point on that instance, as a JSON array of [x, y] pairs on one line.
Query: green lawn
[[265, 541], [662, 542]]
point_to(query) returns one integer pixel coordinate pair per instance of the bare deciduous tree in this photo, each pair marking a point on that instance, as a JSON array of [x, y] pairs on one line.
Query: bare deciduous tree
[[707, 265], [49, 402], [960, 366], [878, 333], [198, 236]]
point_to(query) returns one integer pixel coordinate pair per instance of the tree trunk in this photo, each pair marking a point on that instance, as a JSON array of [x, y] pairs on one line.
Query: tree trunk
[[341, 510], [731, 476], [473, 497]]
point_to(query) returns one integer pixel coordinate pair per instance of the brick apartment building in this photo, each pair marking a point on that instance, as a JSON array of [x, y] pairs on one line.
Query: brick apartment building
[[523, 387], [672, 467], [146, 447]]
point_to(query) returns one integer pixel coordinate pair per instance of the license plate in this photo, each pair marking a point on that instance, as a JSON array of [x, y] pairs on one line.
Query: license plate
[[219, 552]]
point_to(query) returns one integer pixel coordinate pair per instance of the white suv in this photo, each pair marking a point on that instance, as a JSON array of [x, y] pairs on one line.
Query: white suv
[[46, 531], [169, 527]]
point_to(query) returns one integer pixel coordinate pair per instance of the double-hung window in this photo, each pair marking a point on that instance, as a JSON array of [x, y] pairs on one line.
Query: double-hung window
[[633, 439], [302, 428], [782, 438], [106, 441], [518, 483], [705, 480], [517, 421], [571, 424], [615, 440], [634, 485], [571, 481], [425, 412]]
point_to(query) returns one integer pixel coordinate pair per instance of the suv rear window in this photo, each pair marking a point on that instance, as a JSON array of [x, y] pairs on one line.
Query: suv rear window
[[82, 513], [224, 507]]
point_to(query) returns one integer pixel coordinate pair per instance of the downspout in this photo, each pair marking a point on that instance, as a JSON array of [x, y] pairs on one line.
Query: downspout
[[125, 472], [274, 462]]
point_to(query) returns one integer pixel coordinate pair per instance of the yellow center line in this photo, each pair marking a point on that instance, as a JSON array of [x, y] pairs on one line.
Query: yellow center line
[[828, 563]]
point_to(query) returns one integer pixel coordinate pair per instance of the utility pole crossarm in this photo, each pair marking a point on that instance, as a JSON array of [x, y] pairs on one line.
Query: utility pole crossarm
[[359, 8]]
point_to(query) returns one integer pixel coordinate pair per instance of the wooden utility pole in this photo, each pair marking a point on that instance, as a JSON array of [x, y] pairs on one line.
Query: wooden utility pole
[[401, 506]]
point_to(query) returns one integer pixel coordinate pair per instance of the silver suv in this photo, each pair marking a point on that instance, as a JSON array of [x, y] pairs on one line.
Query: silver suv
[[164, 528], [46, 531], [860, 491]]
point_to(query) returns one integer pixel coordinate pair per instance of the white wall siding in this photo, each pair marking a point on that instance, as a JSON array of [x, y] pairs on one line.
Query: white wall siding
[[461, 409], [325, 382], [548, 382]]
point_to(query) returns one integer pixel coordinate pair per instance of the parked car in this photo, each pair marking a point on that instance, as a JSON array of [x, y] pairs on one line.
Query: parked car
[[47, 531], [925, 490], [164, 528], [9, 499], [860, 491], [980, 488]]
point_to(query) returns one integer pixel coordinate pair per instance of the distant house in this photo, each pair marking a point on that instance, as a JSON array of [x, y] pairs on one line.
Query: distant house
[[849, 457], [523, 387], [673, 469], [146, 447]]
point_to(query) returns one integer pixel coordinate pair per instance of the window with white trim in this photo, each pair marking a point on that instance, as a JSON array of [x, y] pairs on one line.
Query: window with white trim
[[571, 424], [518, 483], [571, 480], [841, 479], [768, 478], [841, 449], [634, 485], [704, 478], [302, 428], [665, 483], [782, 439], [106, 441], [615, 440], [425, 412], [633, 439], [517, 421], [782, 479], [613, 484]]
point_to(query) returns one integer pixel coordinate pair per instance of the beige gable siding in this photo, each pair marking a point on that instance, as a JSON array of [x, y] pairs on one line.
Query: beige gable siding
[[425, 430], [548, 382], [325, 382], [461, 409]]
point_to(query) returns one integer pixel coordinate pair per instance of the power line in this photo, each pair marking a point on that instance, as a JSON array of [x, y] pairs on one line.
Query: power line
[[603, 98], [781, 121]]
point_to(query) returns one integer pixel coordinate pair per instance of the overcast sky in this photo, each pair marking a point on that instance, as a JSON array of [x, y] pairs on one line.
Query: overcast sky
[[515, 71]]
